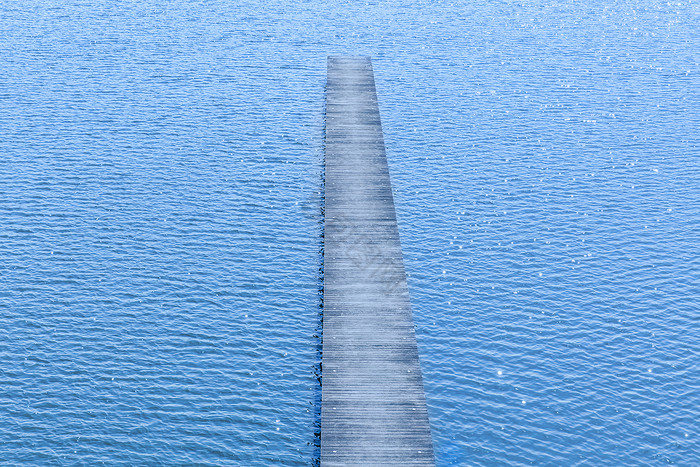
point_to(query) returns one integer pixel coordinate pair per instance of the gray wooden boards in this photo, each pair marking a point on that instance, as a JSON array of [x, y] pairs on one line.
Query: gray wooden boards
[[373, 408]]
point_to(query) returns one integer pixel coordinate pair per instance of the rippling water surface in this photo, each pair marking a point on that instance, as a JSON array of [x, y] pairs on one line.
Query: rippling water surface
[[159, 226]]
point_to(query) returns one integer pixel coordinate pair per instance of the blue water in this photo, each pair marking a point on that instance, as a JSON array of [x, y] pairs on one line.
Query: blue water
[[159, 226]]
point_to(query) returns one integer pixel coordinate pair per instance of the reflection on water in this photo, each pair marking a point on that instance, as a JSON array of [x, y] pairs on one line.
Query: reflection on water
[[159, 273]]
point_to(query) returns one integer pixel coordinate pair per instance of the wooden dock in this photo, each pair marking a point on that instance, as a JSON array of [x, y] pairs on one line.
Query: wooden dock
[[373, 408]]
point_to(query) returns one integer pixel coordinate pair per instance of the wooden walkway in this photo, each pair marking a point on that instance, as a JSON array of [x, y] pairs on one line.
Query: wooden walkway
[[373, 408]]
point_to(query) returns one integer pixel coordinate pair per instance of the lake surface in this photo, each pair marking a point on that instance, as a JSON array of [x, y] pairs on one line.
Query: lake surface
[[160, 226]]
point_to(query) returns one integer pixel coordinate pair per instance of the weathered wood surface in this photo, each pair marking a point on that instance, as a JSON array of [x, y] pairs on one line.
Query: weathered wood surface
[[373, 408]]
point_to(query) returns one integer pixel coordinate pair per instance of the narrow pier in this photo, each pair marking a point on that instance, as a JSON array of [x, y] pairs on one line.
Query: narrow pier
[[373, 410]]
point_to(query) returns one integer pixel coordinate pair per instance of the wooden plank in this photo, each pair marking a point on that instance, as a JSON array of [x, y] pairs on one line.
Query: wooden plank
[[373, 408]]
